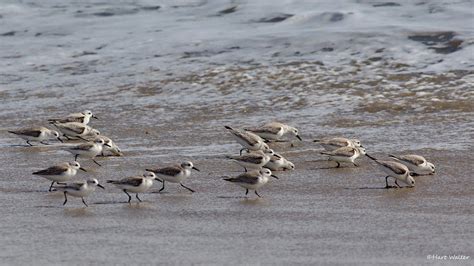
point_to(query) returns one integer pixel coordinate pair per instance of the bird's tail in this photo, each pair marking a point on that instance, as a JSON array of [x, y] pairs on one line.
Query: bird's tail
[[228, 178]]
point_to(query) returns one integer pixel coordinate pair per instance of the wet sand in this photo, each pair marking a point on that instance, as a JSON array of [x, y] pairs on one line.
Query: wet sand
[[311, 215]]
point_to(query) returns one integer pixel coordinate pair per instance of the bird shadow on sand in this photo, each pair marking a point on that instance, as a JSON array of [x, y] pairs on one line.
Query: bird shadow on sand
[[245, 200], [21, 145], [232, 197], [334, 167], [384, 188], [50, 206], [78, 211]]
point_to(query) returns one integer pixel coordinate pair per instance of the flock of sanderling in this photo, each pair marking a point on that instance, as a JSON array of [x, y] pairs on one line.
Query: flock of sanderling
[[259, 160]]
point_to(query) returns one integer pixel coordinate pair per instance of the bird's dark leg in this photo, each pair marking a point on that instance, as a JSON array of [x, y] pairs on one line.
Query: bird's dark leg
[[187, 188], [129, 197], [162, 187], [29, 143], [65, 198], [245, 169], [75, 157], [338, 165], [257, 194], [50, 187], [356, 165], [246, 191], [397, 183], [136, 195], [84, 202], [96, 162]]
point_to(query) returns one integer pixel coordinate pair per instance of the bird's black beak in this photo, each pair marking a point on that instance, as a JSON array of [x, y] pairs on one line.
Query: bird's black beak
[[99, 185], [159, 180], [95, 117], [276, 155], [60, 140], [82, 138], [196, 169], [108, 145], [274, 176], [298, 136], [83, 169]]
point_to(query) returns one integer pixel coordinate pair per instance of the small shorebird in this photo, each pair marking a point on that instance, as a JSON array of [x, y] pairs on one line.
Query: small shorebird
[[331, 144], [38, 134], [344, 154], [274, 131], [174, 174], [253, 159], [135, 184], [417, 164], [79, 189], [113, 150], [252, 180], [60, 173], [76, 129], [248, 140], [88, 150], [278, 162], [396, 170], [83, 118]]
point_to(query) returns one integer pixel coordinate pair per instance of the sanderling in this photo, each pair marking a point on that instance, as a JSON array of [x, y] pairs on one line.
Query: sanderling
[[135, 184], [396, 170], [254, 159], [344, 154], [83, 117], [252, 180], [60, 173], [278, 162], [331, 144], [38, 134], [113, 150], [76, 129], [174, 174], [417, 164], [274, 131], [248, 140], [79, 189], [88, 150]]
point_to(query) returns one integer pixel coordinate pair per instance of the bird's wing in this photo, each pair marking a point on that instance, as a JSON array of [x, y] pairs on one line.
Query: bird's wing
[[395, 167], [131, 181], [27, 132], [53, 170], [344, 151], [170, 171]]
